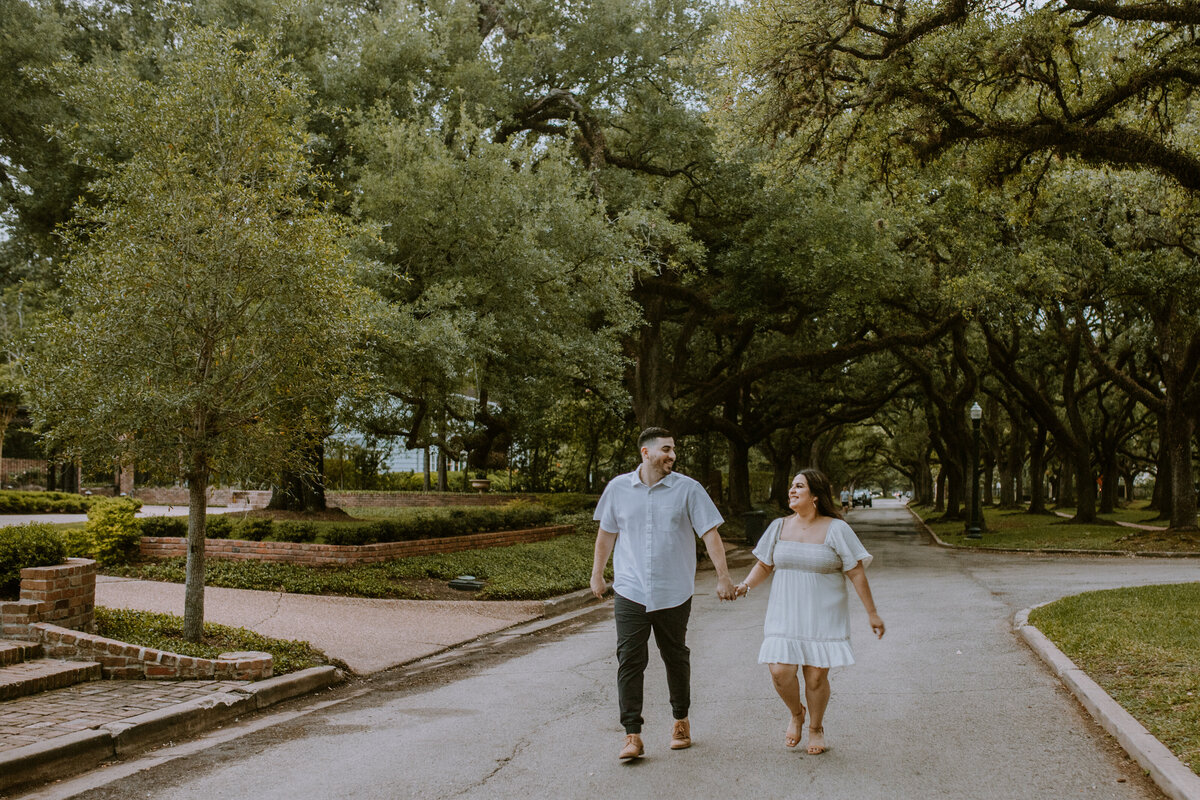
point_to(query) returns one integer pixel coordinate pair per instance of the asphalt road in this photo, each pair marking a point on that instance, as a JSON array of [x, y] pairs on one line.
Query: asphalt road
[[950, 704]]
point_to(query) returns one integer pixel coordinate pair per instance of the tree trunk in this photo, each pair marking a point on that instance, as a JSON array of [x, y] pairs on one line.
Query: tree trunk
[[1085, 489], [989, 483], [443, 482], [739, 477], [781, 476], [1109, 483], [649, 377], [1178, 443], [303, 489], [426, 483], [193, 592], [1037, 473], [939, 502], [1161, 499], [1065, 496]]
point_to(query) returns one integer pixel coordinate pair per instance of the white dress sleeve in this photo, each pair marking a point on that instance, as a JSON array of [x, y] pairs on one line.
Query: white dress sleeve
[[765, 551], [845, 541]]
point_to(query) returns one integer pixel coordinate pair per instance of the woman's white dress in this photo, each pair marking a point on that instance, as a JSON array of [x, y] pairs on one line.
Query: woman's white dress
[[808, 617]]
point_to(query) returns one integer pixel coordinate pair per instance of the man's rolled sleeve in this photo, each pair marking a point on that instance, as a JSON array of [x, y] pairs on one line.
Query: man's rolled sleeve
[[702, 510], [606, 513]]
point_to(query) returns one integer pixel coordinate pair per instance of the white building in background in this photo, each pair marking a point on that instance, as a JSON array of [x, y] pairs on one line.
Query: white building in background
[[398, 459]]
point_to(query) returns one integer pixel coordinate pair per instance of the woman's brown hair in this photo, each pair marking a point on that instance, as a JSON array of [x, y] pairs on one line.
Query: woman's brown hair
[[821, 489]]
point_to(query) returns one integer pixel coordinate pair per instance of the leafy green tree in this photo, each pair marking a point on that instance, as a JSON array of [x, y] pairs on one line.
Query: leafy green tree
[[503, 272], [209, 310]]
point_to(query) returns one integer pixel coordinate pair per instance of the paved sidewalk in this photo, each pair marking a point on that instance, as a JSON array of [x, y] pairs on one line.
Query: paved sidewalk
[[48, 715], [145, 511], [367, 635]]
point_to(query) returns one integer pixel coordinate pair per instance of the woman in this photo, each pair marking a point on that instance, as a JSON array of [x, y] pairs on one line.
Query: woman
[[808, 621]]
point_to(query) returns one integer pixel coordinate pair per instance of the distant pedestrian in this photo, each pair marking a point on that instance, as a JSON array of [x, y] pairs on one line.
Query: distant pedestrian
[[649, 520], [845, 499], [808, 621]]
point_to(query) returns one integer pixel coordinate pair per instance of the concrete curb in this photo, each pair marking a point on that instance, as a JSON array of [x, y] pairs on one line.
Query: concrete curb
[[55, 758], [76, 752], [569, 602], [1175, 779], [1049, 551]]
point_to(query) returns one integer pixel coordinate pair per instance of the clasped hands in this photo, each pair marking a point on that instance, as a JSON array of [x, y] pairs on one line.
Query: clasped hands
[[727, 591]]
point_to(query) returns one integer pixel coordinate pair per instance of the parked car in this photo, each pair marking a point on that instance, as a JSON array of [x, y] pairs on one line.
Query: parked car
[[862, 498]]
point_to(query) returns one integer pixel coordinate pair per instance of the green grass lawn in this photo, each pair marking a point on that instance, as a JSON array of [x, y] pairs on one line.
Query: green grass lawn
[[1016, 530], [1134, 512], [1143, 646], [165, 632], [532, 571]]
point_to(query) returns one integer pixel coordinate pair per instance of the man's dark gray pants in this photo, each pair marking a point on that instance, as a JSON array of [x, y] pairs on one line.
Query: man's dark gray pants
[[634, 625]]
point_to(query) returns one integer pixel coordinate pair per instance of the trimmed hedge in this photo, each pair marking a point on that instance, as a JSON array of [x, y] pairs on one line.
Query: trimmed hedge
[[44, 503], [438, 524], [431, 523], [21, 546]]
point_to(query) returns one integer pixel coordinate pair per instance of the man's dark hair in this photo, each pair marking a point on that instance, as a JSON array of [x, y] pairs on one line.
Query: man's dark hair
[[650, 434]]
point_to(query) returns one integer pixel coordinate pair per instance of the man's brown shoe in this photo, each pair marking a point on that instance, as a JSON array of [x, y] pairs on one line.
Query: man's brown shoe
[[633, 746], [681, 735]]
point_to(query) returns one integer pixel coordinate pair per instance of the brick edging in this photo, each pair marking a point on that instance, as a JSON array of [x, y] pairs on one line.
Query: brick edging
[[130, 662], [156, 547]]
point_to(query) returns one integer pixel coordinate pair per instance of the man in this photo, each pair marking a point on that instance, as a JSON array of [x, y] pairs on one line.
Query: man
[[648, 519], [845, 499]]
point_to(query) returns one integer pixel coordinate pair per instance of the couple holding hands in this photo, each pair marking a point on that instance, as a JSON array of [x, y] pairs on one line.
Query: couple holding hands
[[648, 519]]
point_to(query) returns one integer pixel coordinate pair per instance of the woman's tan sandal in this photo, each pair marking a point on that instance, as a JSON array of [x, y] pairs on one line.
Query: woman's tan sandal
[[816, 748], [795, 730]]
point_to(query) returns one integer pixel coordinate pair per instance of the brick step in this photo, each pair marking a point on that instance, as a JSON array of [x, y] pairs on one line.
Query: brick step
[[38, 675], [15, 652]]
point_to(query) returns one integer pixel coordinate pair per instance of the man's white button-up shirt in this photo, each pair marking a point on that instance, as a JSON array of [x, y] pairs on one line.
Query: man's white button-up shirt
[[654, 559]]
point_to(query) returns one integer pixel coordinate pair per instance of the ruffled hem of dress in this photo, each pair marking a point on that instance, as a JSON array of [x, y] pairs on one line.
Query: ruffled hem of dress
[[779, 650]]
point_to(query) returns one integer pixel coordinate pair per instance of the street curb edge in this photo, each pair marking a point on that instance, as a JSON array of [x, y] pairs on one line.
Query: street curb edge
[[64, 756], [1171, 775], [569, 602]]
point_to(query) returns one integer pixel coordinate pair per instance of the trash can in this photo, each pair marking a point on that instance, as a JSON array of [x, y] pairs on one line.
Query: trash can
[[755, 523]]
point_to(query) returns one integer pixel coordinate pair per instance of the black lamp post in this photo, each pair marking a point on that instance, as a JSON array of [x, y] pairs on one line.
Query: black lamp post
[[975, 529]]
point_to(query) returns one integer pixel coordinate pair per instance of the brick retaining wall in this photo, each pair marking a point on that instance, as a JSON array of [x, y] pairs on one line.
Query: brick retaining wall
[[131, 662], [154, 547], [178, 496], [419, 499], [63, 595]]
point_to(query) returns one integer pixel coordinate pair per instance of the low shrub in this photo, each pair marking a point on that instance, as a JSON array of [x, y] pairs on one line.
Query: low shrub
[[421, 523], [112, 525], [218, 527], [428, 523], [44, 503], [163, 526], [253, 529], [569, 502], [294, 531], [22, 546], [78, 541]]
